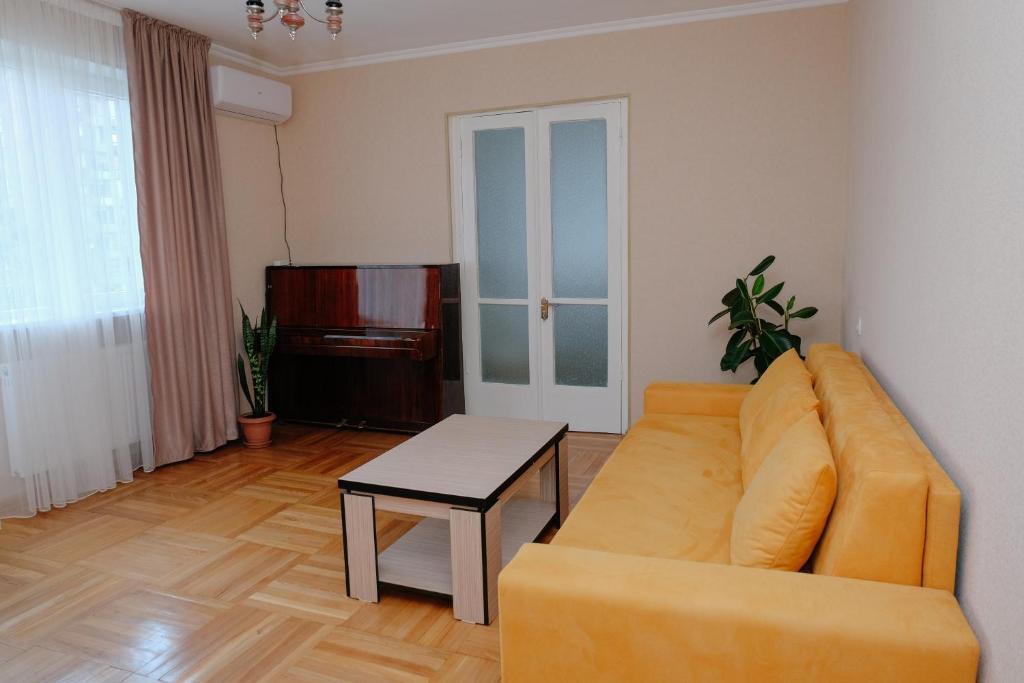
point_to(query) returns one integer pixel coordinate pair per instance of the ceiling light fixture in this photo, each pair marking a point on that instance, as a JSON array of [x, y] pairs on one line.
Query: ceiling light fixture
[[290, 12]]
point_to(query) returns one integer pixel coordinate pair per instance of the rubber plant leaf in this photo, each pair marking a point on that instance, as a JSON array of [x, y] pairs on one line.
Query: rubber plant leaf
[[762, 266]]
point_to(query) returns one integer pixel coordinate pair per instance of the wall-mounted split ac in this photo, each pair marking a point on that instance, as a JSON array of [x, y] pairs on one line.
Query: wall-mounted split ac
[[247, 96]]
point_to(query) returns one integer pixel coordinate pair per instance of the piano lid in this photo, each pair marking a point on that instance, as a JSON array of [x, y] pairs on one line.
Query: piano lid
[[406, 297]]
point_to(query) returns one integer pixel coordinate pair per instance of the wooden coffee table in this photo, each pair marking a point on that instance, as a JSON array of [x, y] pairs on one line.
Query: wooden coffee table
[[460, 475]]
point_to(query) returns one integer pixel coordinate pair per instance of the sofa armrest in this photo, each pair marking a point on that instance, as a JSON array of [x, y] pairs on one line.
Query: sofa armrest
[[569, 614], [685, 398]]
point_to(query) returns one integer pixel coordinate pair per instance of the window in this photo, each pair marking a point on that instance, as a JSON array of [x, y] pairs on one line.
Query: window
[[69, 244], [74, 381]]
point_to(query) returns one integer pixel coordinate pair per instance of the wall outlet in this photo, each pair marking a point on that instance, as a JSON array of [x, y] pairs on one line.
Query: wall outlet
[[860, 326], [281, 262]]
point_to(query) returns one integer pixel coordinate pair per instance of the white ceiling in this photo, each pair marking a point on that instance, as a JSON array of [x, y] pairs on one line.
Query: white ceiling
[[375, 27]]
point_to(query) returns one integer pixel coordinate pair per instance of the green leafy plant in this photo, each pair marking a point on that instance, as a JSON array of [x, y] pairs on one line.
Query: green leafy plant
[[756, 337], [259, 344]]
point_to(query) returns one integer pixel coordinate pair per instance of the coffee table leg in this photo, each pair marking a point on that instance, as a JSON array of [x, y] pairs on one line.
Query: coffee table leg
[[359, 540], [554, 480], [476, 561]]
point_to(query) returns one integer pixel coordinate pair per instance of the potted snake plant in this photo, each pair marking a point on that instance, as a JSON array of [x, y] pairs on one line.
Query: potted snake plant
[[259, 344]]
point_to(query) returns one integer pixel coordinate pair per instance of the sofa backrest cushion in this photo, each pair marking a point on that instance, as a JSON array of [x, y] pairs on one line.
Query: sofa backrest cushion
[[877, 527], [942, 523], [775, 403], [782, 513], [823, 354]]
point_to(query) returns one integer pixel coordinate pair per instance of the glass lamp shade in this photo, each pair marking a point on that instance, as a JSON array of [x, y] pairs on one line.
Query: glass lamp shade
[[255, 25], [293, 21], [334, 26], [254, 18]]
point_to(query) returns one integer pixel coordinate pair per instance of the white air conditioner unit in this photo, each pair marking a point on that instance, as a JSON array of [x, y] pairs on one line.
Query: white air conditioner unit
[[245, 96]]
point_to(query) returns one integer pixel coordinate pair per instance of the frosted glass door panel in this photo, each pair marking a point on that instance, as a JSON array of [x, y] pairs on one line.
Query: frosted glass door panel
[[581, 346], [501, 213], [539, 215], [579, 208], [505, 343]]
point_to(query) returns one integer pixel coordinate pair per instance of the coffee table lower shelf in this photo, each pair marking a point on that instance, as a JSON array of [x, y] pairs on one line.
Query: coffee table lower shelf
[[421, 559]]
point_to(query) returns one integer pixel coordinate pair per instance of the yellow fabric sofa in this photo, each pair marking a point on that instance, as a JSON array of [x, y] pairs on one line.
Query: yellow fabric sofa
[[638, 584]]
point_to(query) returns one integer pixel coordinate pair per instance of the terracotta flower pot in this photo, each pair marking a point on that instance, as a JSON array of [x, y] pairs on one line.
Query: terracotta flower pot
[[256, 430]]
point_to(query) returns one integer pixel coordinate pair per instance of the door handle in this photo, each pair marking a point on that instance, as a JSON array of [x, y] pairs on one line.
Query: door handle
[[545, 308]]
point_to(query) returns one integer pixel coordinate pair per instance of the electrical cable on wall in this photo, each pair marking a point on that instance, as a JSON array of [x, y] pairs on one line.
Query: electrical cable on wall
[[280, 171]]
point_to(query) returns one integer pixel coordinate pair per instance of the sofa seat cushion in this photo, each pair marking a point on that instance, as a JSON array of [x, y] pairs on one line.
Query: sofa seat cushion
[[669, 490], [782, 513]]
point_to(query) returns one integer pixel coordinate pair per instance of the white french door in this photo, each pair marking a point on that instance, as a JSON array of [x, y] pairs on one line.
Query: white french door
[[540, 233]]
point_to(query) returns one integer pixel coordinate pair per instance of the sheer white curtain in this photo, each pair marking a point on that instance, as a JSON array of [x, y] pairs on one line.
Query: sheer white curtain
[[74, 396]]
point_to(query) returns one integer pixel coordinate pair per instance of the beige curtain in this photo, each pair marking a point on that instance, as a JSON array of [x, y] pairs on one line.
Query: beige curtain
[[182, 237]]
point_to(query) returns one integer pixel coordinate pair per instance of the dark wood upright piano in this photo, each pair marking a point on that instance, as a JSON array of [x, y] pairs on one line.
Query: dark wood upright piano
[[366, 346]]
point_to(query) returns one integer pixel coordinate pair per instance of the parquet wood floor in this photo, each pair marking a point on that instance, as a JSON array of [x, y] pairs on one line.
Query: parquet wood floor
[[226, 568]]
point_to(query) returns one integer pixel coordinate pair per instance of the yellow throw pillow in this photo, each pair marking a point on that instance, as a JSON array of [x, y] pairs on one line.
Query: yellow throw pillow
[[784, 407], [781, 515], [785, 369]]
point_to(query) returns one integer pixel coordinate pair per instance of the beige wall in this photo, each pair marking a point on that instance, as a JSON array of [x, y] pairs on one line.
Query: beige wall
[[934, 265], [252, 207], [738, 149], [252, 204]]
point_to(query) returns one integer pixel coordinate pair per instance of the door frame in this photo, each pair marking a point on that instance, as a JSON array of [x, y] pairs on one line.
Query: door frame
[[458, 220]]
